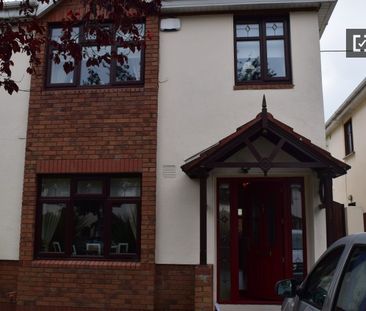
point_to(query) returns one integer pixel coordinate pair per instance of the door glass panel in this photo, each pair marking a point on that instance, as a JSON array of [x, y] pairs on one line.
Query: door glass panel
[[297, 232], [224, 242], [256, 214], [242, 238], [318, 283], [248, 61], [352, 294], [272, 225]]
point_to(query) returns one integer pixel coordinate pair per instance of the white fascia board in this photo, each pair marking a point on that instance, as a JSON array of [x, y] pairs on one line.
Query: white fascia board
[[325, 7], [11, 9], [191, 5]]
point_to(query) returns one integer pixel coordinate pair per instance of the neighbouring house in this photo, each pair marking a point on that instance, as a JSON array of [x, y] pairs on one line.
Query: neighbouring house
[[13, 129], [344, 132], [173, 183]]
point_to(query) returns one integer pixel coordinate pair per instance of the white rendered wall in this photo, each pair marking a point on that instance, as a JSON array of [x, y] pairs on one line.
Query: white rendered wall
[[198, 106], [13, 127], [354, 182]]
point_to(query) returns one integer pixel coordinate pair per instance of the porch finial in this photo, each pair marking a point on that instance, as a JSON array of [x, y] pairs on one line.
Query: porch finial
[[264, 104]]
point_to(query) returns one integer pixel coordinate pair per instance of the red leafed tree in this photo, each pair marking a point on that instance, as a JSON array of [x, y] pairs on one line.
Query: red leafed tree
[[25, 33]]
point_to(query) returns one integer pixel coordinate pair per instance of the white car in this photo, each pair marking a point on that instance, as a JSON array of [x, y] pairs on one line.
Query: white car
[[336, 283]]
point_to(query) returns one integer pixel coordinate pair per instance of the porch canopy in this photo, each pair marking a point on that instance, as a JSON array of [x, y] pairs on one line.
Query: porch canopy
[[283, 137]]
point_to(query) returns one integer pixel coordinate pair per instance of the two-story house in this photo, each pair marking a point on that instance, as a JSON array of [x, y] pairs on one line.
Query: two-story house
[[172, 183], [238, 188], [344, 130]]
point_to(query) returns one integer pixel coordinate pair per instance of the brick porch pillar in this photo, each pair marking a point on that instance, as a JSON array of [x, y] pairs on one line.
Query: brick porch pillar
[[203, 288]]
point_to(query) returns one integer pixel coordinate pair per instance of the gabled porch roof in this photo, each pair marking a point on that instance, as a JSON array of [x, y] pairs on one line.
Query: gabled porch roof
[[281, 135]]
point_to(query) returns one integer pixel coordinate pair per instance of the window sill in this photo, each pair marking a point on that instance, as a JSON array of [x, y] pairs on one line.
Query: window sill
[[264, 86], [346, 157], [87, 89], [70, 263]]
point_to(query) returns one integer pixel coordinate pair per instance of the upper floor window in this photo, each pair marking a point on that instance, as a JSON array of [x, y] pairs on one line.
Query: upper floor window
[[348, 137], [89, 216], [262, 50], [125, 68]]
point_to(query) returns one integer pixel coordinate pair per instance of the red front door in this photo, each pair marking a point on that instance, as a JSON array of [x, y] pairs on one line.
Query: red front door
[[254, 238], [262, 230]]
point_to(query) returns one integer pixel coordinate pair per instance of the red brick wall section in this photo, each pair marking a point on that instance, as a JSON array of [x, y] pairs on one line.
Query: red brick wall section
[[91, 130], [174, 287], [93, 288], [7, 306], [8, 281], [203, 296]]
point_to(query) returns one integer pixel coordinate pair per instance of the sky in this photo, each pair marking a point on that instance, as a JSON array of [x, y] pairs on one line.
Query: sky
[[341, 75]]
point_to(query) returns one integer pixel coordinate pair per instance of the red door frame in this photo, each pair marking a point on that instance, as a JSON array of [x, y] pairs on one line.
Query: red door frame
[[287, 181]]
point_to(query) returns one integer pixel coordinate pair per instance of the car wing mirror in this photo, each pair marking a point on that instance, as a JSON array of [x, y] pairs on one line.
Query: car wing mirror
[[287, 288]]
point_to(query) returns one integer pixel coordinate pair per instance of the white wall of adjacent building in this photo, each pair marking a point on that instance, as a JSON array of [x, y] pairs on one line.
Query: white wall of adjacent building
[[13, 127], [198, 106], [352, 184]]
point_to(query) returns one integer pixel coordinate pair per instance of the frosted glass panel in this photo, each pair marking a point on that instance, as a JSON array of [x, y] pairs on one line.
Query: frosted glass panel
[[247, 30], [224, 242], [90, 187], [125, 187], [274, 29], [297, 231], [55, 187]]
